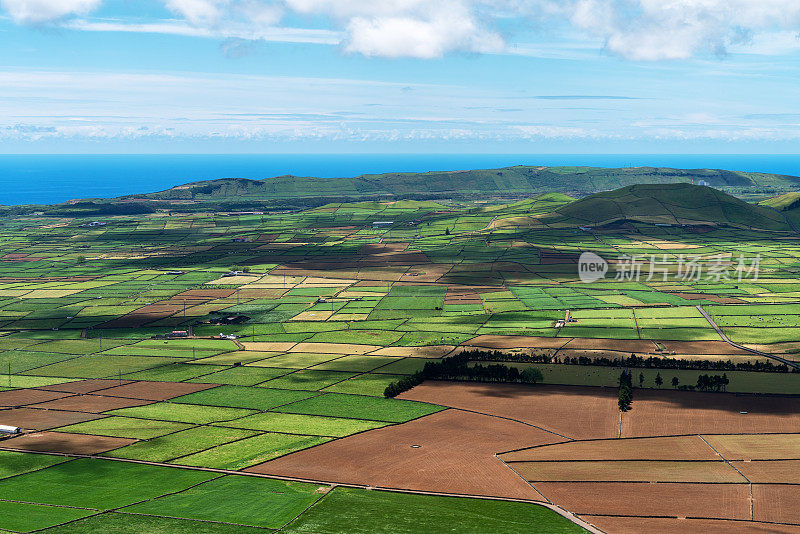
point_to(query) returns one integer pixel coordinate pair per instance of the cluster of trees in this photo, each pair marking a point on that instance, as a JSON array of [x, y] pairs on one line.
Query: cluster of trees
[[625, 401], [404, 384], [709, 383], [459, 367]]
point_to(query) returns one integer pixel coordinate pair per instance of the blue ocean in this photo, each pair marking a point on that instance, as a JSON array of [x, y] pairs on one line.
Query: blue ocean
[[45, 179]]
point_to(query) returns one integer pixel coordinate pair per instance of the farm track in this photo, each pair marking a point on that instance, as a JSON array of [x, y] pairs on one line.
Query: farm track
[[725, 338]]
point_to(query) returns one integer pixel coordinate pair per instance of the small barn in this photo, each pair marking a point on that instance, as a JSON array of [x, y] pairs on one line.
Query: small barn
[[7, 430]]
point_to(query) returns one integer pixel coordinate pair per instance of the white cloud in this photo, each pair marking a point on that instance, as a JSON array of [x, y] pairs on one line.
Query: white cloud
[[221, 14], [407, 28], [649, 30], [240, 31], [641, 30], [43, 11], [198, 12], [420, 38]]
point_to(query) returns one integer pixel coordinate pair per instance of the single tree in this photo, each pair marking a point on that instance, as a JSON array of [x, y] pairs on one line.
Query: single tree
[[675, 382], [626, 379], [531, 376], [447, 231], [641, 379], [625, 399], [659, 380]]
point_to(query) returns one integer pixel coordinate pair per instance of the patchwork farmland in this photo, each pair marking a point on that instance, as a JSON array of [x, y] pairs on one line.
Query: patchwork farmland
[[211, 371]]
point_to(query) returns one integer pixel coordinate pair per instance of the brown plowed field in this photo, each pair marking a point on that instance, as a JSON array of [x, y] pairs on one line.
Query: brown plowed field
[[574, 412], [703, 347], [628, 471], [706, 296], [86, 386], [430, 351], [662, 413], [157, 391], [33, 419], [771, 471], [672, 448], [21, 397], [776, 503], [333, 348], [515, 342], [650, 525], [144, 315], [91, 403], [66, 443], [204, 294], [456, 455], [757, 447], [624, 345], [726, 501], [661, 471]]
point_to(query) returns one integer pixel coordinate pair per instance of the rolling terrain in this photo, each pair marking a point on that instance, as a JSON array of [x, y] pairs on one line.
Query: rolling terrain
[[670, 204], [224, 371], [578, 181]]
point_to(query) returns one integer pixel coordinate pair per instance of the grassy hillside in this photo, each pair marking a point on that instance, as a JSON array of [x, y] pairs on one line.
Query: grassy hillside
[[576, 181], [784, 202], [668, 204]]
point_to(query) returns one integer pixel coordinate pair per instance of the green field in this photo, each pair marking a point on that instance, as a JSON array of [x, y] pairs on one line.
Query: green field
[[358, 511], [161, 499], [301, 316]]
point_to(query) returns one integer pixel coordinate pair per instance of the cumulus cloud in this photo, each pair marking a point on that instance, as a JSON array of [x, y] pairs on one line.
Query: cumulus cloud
[[640, 30], [649, 30], [198, 12], [420, 38], [227, 13], [43, 11], [406, 28]]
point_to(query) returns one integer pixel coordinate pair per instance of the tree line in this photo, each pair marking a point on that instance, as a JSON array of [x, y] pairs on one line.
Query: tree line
[[462, 367], [634, 361], [458, 367]]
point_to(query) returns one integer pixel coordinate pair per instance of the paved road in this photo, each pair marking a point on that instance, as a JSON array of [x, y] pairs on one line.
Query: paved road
[[716, 327]]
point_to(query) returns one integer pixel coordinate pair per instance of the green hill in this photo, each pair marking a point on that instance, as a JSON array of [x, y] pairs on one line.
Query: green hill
[[527, 180], [667, 204], [544, 203], [784, 202]]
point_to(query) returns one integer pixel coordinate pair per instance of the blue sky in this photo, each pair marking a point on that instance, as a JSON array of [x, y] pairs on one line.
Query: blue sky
[[354, 76]]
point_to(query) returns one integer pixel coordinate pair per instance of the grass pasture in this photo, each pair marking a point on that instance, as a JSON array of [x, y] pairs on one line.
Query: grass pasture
[[236, 500], [243, 397], [181, 443], [359, 511], [360, 407], [250, 451]]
